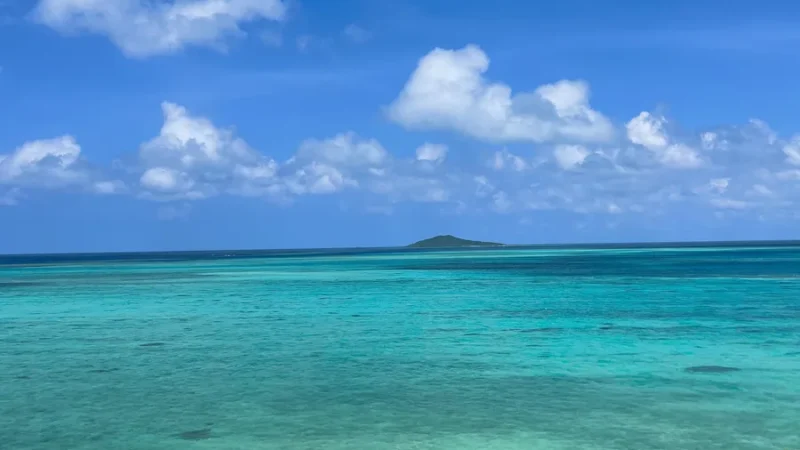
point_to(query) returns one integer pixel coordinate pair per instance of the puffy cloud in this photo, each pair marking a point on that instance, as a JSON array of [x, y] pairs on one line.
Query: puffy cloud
[[719, 185], [317, 178], [506, 160], [760, 190], [142, 28], [345, 149], [108, 187], [47, 162], [51, 164], [680, 156], [164, 179], [569, 157], [192, 158], [649, 131], [727, 203], [448, 91], [435, 153], [792, 151], [331, 165], [613, 208], [742, 167]]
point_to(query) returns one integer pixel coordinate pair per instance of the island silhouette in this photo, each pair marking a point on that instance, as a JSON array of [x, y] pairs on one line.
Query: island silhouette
[[450, 241]]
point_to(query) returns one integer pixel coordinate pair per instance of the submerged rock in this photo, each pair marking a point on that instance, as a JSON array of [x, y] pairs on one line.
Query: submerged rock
[[196, 435], [711, 369]]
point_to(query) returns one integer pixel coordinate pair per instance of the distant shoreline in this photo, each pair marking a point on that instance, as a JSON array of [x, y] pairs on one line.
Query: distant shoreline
[[218, 253]]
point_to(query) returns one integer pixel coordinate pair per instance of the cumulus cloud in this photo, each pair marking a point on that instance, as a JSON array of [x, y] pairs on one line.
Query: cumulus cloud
[[192, 158], [108, 187], [346, 149], [142, 28], [570, 157], [504, 159], [648, 131], [727, 203], [49, 162], [435, 153], [792, 151], [448, 91], [547, 161]]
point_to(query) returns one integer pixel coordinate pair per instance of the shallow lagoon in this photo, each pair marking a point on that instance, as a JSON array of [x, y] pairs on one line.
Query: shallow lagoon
[[690, 348]]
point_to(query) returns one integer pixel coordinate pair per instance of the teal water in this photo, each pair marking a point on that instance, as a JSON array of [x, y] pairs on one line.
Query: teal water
[[657, 348]]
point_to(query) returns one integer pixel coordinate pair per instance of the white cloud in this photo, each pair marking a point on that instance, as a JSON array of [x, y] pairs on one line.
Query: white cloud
[[166, 180], [760, 190], [192, 158], [435, 153], [788, 175], [318, 178], [709, 140], [726, 203], [448, 91], [569, 157], [44, 163], [719, 185], [504, 159], [142, 28], [680, 156], [649, 131], [108, 187], [792, 151], [345, 149], [51, 164]]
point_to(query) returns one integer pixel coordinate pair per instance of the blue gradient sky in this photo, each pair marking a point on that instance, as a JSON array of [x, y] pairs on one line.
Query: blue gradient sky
[[200, 124]]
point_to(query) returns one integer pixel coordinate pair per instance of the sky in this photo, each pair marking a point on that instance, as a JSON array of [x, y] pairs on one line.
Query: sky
[[136, 125]]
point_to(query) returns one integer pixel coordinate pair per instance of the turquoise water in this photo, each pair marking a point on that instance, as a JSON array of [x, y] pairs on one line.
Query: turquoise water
[[682, 348]]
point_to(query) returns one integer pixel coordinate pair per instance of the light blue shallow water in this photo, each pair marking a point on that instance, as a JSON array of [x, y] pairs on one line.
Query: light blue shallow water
[[508, 349]]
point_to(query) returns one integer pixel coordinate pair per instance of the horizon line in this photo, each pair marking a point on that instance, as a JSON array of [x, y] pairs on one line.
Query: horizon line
[[588, 245]]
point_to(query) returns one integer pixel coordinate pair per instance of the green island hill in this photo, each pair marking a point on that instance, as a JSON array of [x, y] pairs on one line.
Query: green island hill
[[448, 241]]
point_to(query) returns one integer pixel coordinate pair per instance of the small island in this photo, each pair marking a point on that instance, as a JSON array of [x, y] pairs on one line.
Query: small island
[[448, 241]]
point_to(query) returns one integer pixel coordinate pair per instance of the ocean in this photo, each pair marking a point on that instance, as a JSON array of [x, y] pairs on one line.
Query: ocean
[[521, 348]]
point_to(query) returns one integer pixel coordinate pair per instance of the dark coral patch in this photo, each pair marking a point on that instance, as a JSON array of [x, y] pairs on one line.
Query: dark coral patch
[[711, 369], [196, 435]]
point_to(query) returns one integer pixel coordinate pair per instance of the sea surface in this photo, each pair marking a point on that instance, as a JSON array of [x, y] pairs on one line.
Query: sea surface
[[520, 348]]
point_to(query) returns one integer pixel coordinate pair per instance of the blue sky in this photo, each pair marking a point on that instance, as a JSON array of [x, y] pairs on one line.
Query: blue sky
[[198, 124]]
